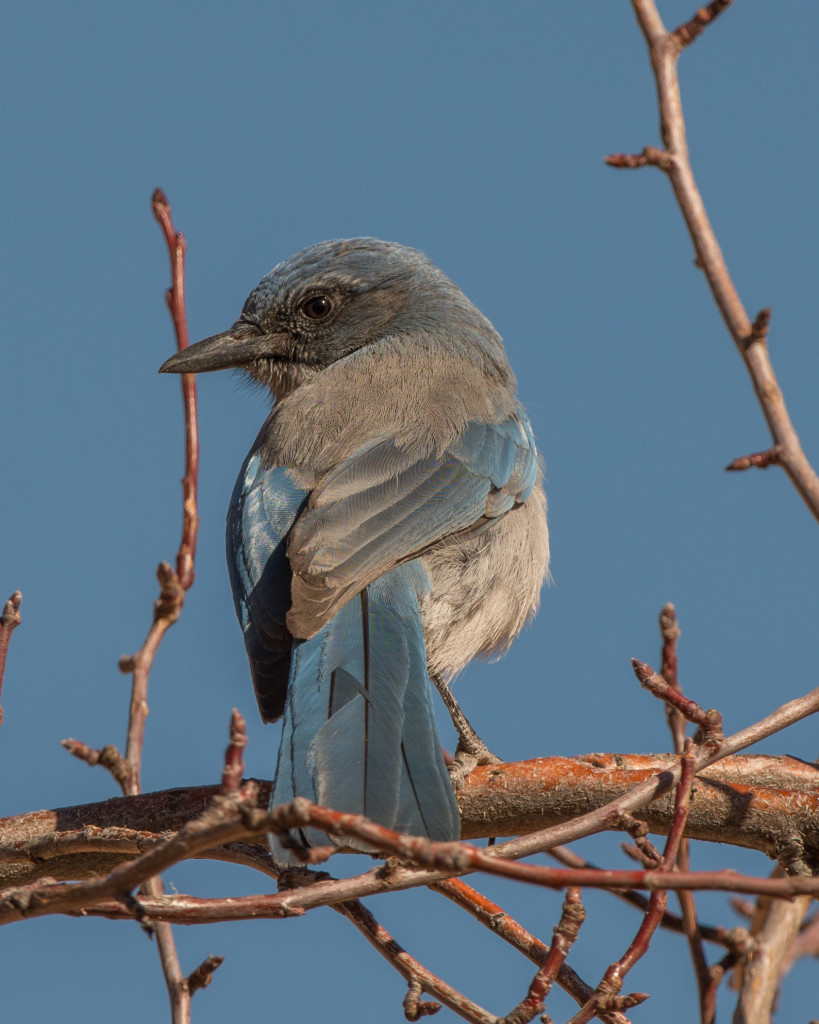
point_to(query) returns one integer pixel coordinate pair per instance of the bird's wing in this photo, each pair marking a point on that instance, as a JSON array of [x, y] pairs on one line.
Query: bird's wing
[[263, 508], [382, 506]]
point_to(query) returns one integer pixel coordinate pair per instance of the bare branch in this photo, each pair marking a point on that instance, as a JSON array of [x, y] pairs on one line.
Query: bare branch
[[175, 297], [565, 934], [511, 931], [656, 786], [173, 584], [709, 722], [749, 338], [762, 972], [748, 801], [419, 979], [731, 938], [612, 982], [9, 621]]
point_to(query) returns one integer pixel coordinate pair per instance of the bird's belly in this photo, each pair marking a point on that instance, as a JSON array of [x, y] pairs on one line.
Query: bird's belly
[[484, 589]]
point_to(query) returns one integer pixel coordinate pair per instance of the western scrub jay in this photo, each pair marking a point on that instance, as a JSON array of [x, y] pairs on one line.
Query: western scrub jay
[[388, 524]]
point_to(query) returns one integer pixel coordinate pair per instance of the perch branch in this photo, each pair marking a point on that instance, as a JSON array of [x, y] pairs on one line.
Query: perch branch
[[747, 801]]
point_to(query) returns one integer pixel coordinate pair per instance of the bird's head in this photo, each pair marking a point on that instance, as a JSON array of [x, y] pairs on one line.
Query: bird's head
[[322, 304]]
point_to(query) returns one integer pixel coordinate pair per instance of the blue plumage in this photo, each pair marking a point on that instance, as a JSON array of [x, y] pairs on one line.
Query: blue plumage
[[387, 523]]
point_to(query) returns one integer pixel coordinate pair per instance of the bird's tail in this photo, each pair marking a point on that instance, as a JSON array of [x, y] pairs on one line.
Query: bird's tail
[[359, 731]]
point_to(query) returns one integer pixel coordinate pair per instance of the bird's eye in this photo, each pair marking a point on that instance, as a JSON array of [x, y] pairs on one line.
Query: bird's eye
[[317, 308]]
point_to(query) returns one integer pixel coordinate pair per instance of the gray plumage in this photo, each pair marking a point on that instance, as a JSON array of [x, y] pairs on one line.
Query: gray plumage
[[396, 438]]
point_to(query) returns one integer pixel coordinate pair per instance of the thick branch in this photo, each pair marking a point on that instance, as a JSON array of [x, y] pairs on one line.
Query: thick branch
[[762, 973], [746, 801]]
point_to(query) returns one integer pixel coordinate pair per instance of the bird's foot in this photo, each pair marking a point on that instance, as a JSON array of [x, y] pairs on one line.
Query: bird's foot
[[470, 752]]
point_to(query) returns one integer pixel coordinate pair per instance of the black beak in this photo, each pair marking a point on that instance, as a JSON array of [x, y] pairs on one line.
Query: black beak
[[231, 348]]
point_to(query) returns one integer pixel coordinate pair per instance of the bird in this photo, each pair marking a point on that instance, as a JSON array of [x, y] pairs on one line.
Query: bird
[[387, 526]]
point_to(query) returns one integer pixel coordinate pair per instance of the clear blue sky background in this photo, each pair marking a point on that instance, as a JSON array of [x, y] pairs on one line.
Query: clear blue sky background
[[474, 131]]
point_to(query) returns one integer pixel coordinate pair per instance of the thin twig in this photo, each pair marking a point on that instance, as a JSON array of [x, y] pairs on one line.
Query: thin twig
[[729, 938], [759, 460], [566, 931], [109, 757], [670, 632], [175, 297], [686, 33], [709, 722], [641, 795], [612, 981], [9, 621], [234, 766], [750, 338], [419, 979], [498, 921], [173, 585]]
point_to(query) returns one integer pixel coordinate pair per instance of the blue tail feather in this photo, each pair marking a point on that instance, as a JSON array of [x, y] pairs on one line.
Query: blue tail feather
[[359, 731]]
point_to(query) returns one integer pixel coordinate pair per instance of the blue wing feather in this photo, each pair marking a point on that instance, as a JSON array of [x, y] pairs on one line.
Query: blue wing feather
[[359, 731], [263, 508], [349, 535]]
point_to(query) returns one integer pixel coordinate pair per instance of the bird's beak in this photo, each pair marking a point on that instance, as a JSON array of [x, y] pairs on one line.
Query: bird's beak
[[230, 348]]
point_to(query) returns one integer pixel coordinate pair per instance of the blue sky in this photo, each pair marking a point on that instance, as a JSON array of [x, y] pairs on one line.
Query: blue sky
[[475, 132]]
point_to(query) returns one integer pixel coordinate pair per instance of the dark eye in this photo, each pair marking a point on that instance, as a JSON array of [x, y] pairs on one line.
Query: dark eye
[[317, 308]]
